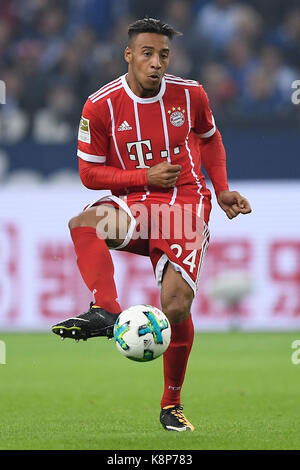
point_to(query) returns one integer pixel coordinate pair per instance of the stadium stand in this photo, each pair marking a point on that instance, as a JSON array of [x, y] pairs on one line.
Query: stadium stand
[[53, 54]]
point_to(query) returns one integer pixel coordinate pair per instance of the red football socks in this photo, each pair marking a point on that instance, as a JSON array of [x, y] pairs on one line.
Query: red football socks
[[175, 361], [97, 270], [96, 267]]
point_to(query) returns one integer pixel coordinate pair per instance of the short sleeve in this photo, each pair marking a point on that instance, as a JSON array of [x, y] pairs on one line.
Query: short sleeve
[[204, 120], [92, 136]]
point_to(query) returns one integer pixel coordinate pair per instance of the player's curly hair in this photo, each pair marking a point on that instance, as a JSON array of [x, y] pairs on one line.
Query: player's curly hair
[[151, 25]]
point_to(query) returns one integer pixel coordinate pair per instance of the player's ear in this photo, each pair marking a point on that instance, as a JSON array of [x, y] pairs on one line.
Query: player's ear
[[128, 54]]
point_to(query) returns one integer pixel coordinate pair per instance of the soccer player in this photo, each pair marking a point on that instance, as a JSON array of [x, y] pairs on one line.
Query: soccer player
[[144, 136]]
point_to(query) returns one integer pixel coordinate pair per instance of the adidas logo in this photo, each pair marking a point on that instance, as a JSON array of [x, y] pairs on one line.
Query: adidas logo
[[124, 126]]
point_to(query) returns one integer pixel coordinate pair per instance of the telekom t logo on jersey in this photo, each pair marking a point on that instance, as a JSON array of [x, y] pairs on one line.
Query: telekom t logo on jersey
[[140, 146], [139, 155]]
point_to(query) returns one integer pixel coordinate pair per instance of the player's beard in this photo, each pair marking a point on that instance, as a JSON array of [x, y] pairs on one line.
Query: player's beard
[[147, 91], [150, 91]]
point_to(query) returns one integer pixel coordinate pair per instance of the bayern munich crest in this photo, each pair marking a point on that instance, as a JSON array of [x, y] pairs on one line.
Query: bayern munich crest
[[177, 117]]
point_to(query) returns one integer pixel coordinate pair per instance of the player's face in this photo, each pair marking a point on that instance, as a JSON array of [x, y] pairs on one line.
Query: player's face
[[148, 58]]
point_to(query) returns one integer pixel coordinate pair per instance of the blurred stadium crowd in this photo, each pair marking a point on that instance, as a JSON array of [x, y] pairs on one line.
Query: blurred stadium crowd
[[54, 53]]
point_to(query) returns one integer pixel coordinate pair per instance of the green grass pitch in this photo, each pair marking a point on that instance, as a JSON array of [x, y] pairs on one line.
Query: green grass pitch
[[241, 392]]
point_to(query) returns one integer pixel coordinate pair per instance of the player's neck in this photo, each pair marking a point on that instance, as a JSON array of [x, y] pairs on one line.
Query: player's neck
[[137, 89]]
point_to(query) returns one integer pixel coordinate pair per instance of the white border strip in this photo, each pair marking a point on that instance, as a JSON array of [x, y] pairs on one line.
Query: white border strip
[[173, 196], [188, 81], [113, 132], [204, 247], [211, 132], [105, 94], [137, 120], [165, 126], [134, 97], [123, 206], [139, 137], [188, 104], [181, 83], [105, 88], [160, 269], [91, 158]]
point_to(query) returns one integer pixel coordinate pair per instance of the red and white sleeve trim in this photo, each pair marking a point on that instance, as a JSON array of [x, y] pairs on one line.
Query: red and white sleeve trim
[[209, 133], [91, 158]]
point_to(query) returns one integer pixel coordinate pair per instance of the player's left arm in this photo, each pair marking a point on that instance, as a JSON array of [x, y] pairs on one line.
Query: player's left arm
[[213, 156], [233, 203]]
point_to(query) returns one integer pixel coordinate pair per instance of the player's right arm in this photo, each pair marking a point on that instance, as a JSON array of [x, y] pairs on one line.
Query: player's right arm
[[97, 176], [93, 153], [93, 149]]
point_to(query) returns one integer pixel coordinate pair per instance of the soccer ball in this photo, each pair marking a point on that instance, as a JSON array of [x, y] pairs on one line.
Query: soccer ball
[[142, 333]]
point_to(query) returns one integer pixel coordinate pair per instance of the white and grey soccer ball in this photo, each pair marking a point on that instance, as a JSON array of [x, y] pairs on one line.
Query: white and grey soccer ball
[[142, 333]]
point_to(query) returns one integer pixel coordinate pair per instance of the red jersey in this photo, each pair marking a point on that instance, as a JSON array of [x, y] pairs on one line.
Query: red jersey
[[124, 131]]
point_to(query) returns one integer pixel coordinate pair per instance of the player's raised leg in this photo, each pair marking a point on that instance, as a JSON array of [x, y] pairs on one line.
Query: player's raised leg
[[176, 299], [96, 267]]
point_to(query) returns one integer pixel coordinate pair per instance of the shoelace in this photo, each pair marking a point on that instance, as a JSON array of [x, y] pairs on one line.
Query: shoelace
[[177, 411]]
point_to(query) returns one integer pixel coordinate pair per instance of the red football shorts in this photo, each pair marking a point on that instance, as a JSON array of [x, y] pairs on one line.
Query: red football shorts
[[173, 231]]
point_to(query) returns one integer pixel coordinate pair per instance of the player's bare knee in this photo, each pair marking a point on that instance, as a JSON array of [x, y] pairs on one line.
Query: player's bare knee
[[74, 222], [84, 219], [177, 308], [113, 225]]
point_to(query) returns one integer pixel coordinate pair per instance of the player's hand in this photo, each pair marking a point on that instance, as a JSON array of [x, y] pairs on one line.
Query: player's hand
[[233, 203], [163, 175]]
